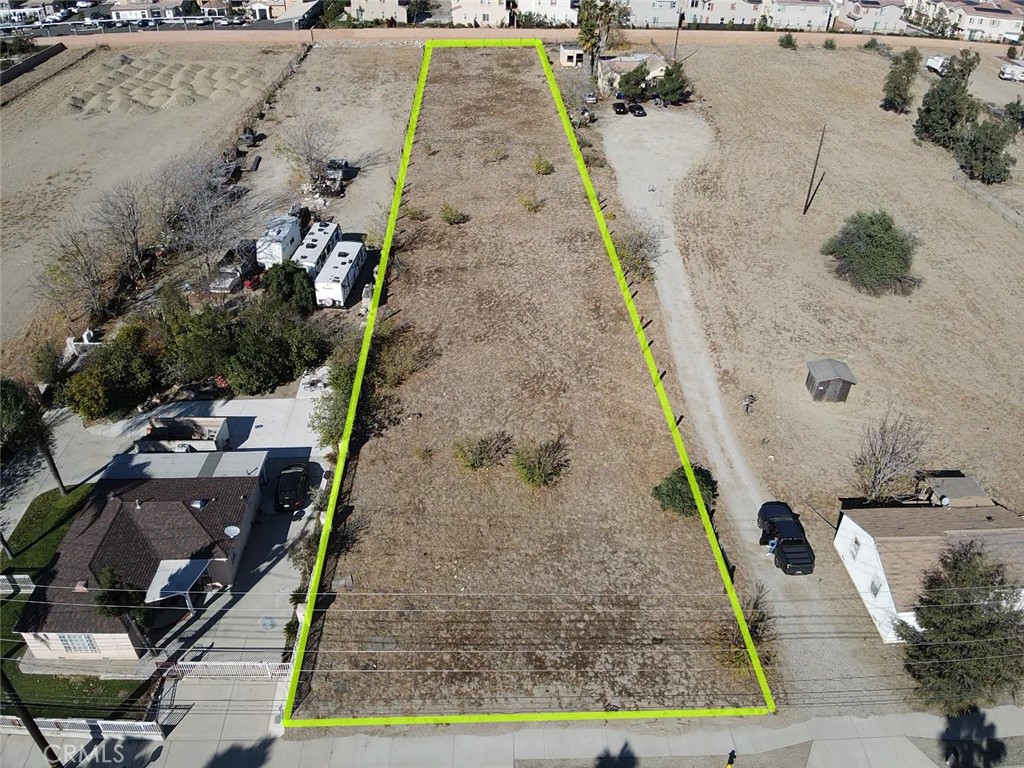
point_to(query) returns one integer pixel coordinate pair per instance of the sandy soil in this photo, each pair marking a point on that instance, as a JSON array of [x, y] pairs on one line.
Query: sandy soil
[[111, 116], [473, 592]]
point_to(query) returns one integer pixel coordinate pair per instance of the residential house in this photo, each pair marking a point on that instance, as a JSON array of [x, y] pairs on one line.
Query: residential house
[[570, 55], [799, 15], [888, 550], [997, 21], [654, 14], [134, 10], [883, 17], [555, 11], [610, 70], [165, 523], [378, 10], [739, 13], [300, 14], [481, 13], [214, 8]]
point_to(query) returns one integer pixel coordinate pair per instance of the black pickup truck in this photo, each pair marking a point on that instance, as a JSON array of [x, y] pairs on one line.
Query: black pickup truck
[[793, 554]]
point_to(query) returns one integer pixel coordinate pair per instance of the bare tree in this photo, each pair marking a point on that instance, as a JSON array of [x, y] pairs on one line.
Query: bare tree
[[77, 270], [121, 216], [889, 456], [308, 147], [199, 214]]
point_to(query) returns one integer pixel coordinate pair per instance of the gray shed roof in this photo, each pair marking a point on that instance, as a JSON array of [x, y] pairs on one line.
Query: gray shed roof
[[826, 369]]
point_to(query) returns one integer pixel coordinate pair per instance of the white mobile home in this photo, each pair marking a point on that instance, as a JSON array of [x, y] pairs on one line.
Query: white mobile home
[[317, 246], [279, 242], [338, 277]]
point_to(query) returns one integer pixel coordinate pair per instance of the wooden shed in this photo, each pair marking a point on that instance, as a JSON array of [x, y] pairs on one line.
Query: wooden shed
[[829, 380]]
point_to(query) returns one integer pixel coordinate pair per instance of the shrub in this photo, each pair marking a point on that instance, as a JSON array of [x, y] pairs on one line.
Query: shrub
[[633, 84], [732, 649], [829, 44], [199, 344], [982, 153], [271, 348], [46, 362], [496, 155], [542, 167], [592, 158], [871, 45], [1015, 113], [119, 375], [873, 254], [531, 202], [788, 42], [762, 23], [484, 451], [638, 249], [452, 216], [289, 284], [1011, 52], [674, 491], [541, 464], [416, 214]]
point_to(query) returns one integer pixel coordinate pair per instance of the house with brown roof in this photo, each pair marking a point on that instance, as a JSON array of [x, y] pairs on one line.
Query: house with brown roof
[[887, 550], [165, 536]]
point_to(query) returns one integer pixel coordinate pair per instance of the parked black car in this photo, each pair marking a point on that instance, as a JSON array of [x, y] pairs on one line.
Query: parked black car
[[620, 108], [292, 485], [793, 553], [637, 110]]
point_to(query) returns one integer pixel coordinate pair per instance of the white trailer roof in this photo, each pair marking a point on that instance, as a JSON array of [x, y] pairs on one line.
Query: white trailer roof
[[340, 263]]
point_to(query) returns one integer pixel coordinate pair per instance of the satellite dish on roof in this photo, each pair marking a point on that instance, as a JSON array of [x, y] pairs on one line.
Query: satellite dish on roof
[[944, 501], [231, 531]]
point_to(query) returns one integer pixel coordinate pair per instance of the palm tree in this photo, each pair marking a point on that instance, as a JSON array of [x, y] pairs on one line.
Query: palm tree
[[589, 37], [22, 424]]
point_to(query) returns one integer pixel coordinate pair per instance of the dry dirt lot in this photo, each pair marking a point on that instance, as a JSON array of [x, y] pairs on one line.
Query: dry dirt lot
[[473, 592], [362, 97], [113, 115], [948, 355]]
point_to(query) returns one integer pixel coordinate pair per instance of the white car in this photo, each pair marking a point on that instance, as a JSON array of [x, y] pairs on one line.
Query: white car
[[85, 4]]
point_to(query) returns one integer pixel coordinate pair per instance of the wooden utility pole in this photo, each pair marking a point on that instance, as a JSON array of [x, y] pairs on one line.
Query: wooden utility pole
[[49, 753], [812, 189]]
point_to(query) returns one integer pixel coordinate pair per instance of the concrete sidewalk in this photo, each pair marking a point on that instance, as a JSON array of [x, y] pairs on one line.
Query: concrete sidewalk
[[222, 739]]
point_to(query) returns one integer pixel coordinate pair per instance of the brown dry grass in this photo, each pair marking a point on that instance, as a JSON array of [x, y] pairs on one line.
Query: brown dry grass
[[502, 597], [949, 355]]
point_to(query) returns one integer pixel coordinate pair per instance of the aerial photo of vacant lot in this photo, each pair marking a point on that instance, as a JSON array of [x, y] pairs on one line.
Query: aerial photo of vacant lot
[[473, 592]]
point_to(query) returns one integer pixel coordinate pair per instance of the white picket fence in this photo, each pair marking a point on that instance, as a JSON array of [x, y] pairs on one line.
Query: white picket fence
[[264, 670], [125, 729]]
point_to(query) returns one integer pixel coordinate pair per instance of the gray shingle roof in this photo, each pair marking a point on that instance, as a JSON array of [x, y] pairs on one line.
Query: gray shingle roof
[[824, 370]]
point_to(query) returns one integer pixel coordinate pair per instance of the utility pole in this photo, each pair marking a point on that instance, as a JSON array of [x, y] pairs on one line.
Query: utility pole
[[49, 753], [679, 24]]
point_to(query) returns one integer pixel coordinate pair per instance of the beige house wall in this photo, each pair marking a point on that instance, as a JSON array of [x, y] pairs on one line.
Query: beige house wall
[[48, 645]]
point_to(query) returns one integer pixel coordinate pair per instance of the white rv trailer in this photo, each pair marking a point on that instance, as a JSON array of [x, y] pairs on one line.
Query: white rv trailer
[[341, 270], [317, 246], [279, 242]]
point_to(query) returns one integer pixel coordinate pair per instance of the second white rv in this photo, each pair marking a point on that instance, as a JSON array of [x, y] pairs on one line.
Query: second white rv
[[317, 246], [339, 274]]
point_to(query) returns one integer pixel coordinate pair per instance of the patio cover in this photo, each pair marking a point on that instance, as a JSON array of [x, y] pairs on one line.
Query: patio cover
[[174, 577]]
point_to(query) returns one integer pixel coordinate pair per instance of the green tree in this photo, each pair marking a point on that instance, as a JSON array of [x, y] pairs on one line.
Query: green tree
[[674, 491], [272, 347], [290, 284], [633, 84], [24, 427], [119, 597], [1011, 52], [202, 345], [1015, 114], [118, 375], [873, 254], [970, 645], [982, 152], [762, 23], [948, 110], [674, 87], [896, 95]]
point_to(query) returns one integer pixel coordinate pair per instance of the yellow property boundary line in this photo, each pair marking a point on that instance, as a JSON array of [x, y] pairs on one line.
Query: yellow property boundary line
[[288, 721]]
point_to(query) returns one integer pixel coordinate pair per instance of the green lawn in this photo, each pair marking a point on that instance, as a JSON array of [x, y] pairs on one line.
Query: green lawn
[[35, 541], [70, 695]]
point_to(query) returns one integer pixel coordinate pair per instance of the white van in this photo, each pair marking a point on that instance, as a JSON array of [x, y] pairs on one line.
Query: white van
[[339, 274], [279, 242], [1013, 72], [317, 246]]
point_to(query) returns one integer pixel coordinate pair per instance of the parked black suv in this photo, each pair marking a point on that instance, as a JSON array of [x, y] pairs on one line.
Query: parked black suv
[[793, 553]]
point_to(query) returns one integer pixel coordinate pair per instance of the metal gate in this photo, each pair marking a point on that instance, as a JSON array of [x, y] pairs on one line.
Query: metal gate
[[263, 670]]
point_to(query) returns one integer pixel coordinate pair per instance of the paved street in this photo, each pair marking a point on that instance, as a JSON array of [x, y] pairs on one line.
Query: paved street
[[214, 738]]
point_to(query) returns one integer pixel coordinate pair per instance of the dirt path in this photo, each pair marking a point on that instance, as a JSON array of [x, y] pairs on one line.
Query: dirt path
[[826, 662]]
